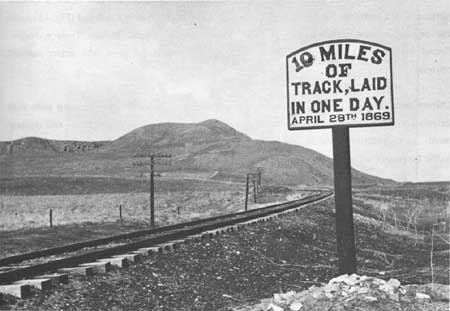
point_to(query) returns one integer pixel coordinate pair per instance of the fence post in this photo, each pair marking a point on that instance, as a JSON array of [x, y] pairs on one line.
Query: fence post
[[120, 212], [51, 218], [254, 190], [246, 192]]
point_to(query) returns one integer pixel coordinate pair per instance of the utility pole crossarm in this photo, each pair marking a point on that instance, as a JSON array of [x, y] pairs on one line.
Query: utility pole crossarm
[[152, 154]]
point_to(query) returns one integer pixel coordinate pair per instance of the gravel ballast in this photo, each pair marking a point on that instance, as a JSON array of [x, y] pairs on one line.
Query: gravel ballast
[[243, 267]]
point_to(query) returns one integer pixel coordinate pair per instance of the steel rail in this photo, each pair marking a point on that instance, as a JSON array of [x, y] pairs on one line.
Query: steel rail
[[168, 233], [101, 241]]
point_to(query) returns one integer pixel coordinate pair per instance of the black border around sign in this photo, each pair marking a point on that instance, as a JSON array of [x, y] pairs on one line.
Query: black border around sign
[[351, 125]]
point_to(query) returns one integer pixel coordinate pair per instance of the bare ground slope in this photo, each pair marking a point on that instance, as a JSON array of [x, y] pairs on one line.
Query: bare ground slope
[[210, 146]]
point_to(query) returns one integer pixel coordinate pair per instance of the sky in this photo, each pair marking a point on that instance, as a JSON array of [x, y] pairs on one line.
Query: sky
[[95, 71]]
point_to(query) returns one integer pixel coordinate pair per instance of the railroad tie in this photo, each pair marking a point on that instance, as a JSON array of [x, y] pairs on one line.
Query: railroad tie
[[188, 240], [151, 250], [41, 284], [166, 246], [195, 237], [145, 251], [17, 290], [98, 266], [22, 288], [131, 257], [208, 235], [117, 262], [56, 278], [178, 243], [88, 271]]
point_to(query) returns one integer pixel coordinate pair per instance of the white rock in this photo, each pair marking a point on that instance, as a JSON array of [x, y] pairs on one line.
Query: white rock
[[364, 278], [353, 289], [422, 296], [330, 288], [316, 293], [352, 279], [277, 298], [288, 295], [378, 281], [273, 307], [349, 299], [387, 288], [394, 283], [329, 295], [394, 296], [363, 290], [338, 279], [296, 306], [370, 298]]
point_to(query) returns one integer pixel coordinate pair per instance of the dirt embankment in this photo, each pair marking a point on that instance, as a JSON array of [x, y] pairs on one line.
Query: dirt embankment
[[241, 268]]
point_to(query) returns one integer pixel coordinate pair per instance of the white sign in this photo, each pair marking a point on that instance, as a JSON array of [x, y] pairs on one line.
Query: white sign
[[340, 82]]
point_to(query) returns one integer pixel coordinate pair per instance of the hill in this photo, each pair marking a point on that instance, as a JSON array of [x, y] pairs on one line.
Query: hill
[[210, 146], [175, 136], [36, 145]]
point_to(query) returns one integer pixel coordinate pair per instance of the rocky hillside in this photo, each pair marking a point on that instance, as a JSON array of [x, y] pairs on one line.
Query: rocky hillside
[[36, 146], [209, 146], [175, 136]]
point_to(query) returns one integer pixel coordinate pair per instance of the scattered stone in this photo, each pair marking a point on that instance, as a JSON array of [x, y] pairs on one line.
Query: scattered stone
[[296, 306], [439, 292], [422, 296], [370, 298], [287, 296], [352, 280], [338, 279], [363, 290], [348, 291], [273, 307], [394, 283], [394, 296]]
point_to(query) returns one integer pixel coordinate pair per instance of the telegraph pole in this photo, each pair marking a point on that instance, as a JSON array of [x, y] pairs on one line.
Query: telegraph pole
[[151, 163], [254, 181], [259, 172], [152, 190], [254, 189]]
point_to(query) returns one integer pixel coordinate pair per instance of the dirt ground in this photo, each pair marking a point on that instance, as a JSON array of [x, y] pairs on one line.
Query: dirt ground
[[290, 253], [88, 216]]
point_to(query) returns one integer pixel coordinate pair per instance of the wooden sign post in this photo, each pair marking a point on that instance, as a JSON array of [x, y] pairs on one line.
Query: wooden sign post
[[345, 236], [340, 84]]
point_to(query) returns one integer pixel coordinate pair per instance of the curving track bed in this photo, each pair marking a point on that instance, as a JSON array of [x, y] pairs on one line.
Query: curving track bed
[[42, 268]]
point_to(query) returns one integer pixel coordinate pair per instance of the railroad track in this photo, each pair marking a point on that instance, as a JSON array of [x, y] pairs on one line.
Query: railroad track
[[45, 267]]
